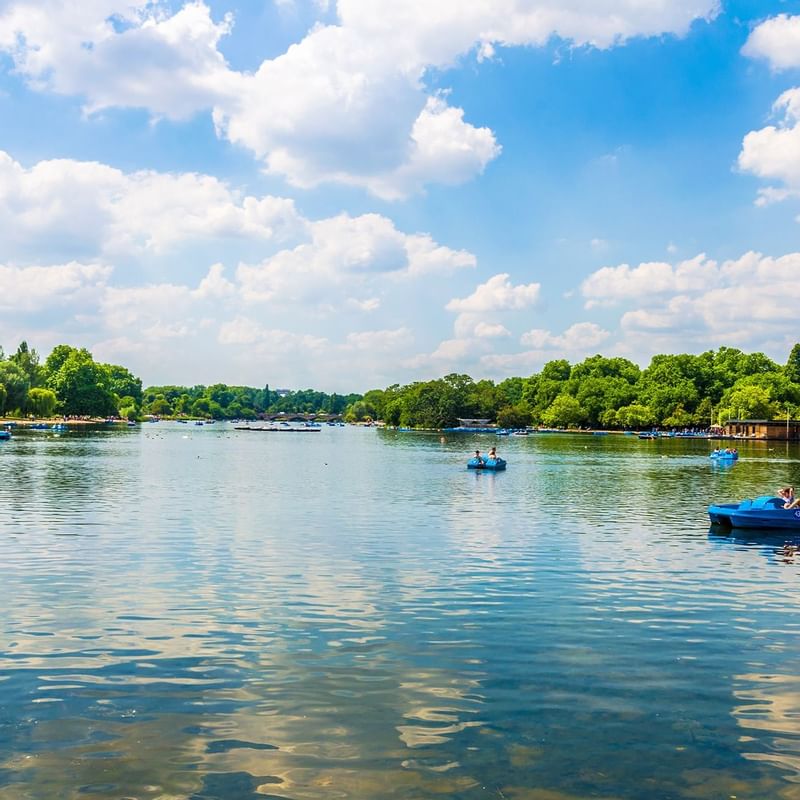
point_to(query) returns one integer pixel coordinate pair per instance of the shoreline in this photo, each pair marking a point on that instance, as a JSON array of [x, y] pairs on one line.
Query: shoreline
[[26, 423]]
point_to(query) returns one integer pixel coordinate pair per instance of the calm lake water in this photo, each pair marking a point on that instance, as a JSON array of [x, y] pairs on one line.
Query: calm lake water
[[202, 613]]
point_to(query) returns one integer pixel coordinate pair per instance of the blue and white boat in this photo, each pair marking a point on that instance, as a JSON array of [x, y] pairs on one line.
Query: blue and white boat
[[766, 511], [724, 455], [5, 435], [491, 464]]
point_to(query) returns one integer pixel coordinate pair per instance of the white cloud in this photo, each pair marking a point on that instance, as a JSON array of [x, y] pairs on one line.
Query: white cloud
[[497, 294], [649, 280], [345, 251], [773, 152], [776, 40], [485, 330], [578, 337], [380, 341], [367, 304], [144, 308], [93, 208], [750, 302], [346, 104], [245, 331], [215, 285], [35, 288], [575, 343], [121, 53]]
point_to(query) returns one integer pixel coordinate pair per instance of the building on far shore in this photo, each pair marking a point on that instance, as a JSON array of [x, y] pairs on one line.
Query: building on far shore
[[474, 423], [764, 429]]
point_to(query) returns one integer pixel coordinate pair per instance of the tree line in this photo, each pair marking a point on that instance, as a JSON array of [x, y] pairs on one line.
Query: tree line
[[220, 401], [673, 391], [69, 382]]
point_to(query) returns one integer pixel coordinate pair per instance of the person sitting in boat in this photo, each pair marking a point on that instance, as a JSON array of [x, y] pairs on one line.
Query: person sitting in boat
[[479, 457], [789, 500], [493, 454]]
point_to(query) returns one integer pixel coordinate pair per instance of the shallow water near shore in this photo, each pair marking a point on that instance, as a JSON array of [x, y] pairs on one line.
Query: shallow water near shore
[[203, 613]]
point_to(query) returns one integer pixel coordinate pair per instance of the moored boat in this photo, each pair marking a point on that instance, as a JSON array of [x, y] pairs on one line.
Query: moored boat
[[5, 435], [766, 511]]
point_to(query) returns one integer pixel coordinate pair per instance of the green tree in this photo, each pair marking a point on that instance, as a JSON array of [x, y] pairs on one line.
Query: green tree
[[27, 360], [360, 411], [636, 416], [124, 384], [751, 402], [201, 407], [518, 416], [160, 407], [564, 411], [792, 368], [668, 382], [679, 418], [58, 355], [83, 386], [609, 418], [16, 384], [41, 402]]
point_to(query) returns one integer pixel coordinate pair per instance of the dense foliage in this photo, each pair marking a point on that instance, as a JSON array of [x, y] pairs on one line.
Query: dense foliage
[[240, 402], [674, 391], [70, 382]]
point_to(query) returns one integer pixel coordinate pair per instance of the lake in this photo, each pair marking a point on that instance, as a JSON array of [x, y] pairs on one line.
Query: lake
[[196, 612]]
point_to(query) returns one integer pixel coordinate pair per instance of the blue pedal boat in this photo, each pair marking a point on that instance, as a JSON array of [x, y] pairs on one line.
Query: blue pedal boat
[[721, 455], [491, 464], [5, 435], [762, 512]]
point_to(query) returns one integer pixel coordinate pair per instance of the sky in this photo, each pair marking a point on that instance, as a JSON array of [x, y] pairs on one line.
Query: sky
[[346, 194]]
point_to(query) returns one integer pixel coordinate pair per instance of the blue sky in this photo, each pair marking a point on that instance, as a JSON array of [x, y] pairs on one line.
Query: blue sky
[[350, 194]]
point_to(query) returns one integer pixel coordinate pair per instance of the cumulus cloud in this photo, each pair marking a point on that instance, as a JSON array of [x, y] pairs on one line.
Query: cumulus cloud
[[36, 288], [575, 343], [485, 330], [250, 332], [577, 337], [343, 268], [732, 302], [777, 41], [382, 341], [87, 207], [773, 152], [348, 103], [121, 53], [346, 251], [610, 285], [497, 294]]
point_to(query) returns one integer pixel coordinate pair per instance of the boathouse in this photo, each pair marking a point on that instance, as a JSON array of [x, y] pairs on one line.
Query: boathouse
[[785, 430]]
